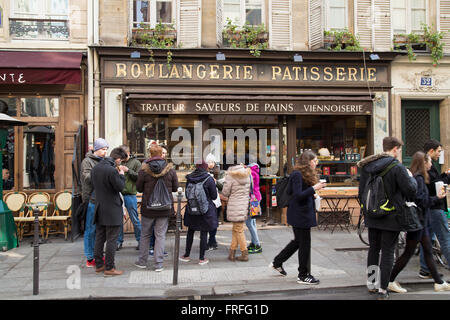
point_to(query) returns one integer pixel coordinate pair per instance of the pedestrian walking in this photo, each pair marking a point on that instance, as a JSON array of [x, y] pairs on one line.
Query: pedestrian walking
[[236, 190], [131, 168], [93, 157], [420, 165], [399, 186], [438, 221], [153, 170], [255, 245], [214, 171], [108, 180], [301, 215], [200, 222]]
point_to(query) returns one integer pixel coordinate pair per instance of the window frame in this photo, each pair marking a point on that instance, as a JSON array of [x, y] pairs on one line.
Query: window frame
[[242, 13], [327, 15], [409, 17], [152, 23]]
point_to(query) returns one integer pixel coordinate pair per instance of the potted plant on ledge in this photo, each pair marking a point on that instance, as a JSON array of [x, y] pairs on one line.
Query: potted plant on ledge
[[251, 37]]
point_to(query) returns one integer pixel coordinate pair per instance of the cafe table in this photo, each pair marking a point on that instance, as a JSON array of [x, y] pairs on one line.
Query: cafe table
[[339, 211]]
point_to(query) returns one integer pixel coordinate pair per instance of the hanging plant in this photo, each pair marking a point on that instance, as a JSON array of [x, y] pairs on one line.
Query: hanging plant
[[251, 37], [341, 40]]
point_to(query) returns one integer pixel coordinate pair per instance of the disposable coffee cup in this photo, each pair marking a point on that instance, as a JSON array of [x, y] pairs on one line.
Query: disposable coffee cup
[[317, 202], [439, 185], [323, 180]]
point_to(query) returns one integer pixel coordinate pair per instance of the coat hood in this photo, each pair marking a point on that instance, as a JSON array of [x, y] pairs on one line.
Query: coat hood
[[197, 176], [90, 154], [239, 173], [254, 168], [156, 167], [376, 163]]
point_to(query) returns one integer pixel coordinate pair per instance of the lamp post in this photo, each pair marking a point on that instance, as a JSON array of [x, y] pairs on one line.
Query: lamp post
[[8, 234]]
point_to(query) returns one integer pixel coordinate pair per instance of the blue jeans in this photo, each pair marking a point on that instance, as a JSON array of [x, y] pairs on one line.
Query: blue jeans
[[89, 232], [251, 225], [438, 223], [131, 205]]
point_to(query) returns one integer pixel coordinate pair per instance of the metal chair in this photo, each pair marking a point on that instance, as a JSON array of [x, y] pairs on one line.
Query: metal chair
[[62, 213], [16, 203]]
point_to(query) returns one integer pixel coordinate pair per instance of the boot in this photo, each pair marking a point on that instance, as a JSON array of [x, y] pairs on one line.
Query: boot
[[232, 255], [244, 256]]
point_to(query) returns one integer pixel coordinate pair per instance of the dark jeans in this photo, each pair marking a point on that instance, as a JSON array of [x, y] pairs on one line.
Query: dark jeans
[[384, 241], [302, 244], [108, 234], [212, 233], [203, 243]]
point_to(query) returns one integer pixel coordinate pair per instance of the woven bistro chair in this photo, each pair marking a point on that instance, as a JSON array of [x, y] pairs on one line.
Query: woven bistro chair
[[16, 203], [37, 197], [62, 213]]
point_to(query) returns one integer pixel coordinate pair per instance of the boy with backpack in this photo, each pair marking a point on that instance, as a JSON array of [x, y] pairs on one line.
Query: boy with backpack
[[382, 217]]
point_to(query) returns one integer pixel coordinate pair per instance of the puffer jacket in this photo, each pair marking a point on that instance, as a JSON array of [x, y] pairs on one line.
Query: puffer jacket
[[237, 189], [255, 176], [89, 162]]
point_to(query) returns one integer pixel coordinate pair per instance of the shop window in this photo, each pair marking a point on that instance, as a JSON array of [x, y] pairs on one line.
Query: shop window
[[336, 15], [39, 107], [339, 141], [8, 106], [39, 157], [8, 161], [40, 19], [150, 12], [408, 16], [242, 11]]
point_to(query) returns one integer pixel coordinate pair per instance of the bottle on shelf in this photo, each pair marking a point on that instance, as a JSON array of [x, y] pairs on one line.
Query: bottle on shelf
[[342, 154]]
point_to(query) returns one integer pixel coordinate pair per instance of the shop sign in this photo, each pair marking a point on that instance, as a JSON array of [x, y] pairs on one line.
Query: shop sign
[[173, 106], [287, 73]]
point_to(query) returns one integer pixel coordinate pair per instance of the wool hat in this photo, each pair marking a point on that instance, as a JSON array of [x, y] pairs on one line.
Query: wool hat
[[202, 165], [210, 158], [100, 143]]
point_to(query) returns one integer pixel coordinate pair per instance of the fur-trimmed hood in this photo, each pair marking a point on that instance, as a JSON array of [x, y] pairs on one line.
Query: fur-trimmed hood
[[376, 163], [371, 158], [239, 173], [156, 167]]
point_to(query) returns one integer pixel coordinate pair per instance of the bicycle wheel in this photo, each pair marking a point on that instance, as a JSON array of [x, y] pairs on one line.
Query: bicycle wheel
[[362, 230], [436, 249], [400, 246]]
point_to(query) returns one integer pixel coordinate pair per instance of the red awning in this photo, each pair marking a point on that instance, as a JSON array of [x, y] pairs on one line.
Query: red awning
[[38, 67]]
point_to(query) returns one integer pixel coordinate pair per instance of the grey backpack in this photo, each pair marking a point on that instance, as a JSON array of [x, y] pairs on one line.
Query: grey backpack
[[196, 198]]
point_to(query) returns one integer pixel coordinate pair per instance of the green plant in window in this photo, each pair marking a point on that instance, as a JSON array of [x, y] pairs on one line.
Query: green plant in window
[[341, 40], [433, 40], [247, 36]]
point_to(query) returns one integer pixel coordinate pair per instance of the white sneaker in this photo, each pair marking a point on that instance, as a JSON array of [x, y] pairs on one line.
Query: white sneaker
[[441, 287], [159, 269], [396, 287]]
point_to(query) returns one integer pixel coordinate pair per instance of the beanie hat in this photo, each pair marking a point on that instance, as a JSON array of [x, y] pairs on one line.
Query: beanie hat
[[100, 143], [202, 165], [210, 158]]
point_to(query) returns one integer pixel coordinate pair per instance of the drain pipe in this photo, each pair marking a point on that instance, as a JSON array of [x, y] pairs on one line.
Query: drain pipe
[[96, 72], [90, 99]]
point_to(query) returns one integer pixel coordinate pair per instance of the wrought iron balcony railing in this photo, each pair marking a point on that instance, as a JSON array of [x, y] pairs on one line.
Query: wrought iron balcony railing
[[42, 29]]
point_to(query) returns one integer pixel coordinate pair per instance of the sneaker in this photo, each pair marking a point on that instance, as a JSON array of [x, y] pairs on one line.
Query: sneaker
[[383, 295], [396, 287], [112, 272], [140, 265], [250, 247], [212, 247], [441, 287], [309, 279], [151, 252], [255, 249], [159, 269], [203, 262], [427, 275], [90, 264], [185, 259], [137, 247], [119, 246], [279, 269]]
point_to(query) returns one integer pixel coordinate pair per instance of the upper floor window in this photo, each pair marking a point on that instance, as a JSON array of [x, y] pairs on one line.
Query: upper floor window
[[336, 15], [242, 11], [408, 15], [150, 12], [40, 19]]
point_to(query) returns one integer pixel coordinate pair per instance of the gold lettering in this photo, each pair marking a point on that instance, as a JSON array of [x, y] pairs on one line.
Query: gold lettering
[[315, 71], [305, 77], [352, 74], [201, 74], [287, 74], [339, 73], [227, 70], [135, 67], [121, 70], [371, 76], [238, 70], [161, 75], [328, 75], [362, 73], [149, 70], [187, 73], [278, 72], [174, 73], [213, 71], [248, 72], [296, 69]]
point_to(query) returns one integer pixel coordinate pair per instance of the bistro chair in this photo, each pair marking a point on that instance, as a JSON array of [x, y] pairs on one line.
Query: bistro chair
[[16, 203], [62, 213], [36, 198]]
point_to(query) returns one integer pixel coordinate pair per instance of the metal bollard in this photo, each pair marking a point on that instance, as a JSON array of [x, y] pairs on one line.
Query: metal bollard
[[36, 252], [176, 252]]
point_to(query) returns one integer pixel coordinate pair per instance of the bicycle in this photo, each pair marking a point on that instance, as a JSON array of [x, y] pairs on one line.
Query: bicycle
[[361, 228]]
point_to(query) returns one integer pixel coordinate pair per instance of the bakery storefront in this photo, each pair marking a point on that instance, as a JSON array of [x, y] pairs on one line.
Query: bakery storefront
[[266, 110]]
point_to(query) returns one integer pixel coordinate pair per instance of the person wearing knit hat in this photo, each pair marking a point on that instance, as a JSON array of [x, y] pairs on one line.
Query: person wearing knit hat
[[202, 165], [100, 143]]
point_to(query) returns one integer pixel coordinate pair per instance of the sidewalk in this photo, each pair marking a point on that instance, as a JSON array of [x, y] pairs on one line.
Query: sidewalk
[[338, 260]]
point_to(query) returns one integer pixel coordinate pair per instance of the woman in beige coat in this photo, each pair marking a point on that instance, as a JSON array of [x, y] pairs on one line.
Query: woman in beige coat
[[237, 189]]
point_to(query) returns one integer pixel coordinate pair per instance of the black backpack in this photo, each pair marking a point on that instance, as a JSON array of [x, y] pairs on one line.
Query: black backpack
[[281, 192], [375, 202], [160, 199], [196, 198]]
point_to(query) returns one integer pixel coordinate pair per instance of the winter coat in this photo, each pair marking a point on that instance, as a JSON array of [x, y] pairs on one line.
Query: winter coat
[[90, 161], [255, 176], [237, 189], [131, 175], [423, 198], [301, 212], [207, 221], [435, 177], [108, 184], [151, 170], [399, 187]]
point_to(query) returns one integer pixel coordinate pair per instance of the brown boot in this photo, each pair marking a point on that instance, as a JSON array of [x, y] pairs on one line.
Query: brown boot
[[232, 255], [112, 272], [101, 269], [243, 256]]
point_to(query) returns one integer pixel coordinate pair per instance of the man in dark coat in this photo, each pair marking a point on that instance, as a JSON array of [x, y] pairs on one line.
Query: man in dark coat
[[108, 181], [400, 186]]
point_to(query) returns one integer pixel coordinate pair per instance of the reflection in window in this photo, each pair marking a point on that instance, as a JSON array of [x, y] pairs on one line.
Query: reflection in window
[[253, 12], [164, 11], [336, 15], [39, 157], [141, 13], [8, 161], [241, 11], [8, 106], [408, 16], [142, 130], [39, 107]]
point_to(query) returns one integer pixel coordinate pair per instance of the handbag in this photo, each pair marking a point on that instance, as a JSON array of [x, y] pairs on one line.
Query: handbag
[[254, 207], [217, 201], [409, 217]]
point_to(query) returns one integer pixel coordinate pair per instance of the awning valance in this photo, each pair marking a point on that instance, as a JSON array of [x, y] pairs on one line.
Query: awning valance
[[39, 67]]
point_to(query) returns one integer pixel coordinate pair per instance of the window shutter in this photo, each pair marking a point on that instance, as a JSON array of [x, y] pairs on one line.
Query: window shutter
[[383, 28], [364, 23], [189, 23], [316, 13], [444, 22], [280, 24], [219, 22]]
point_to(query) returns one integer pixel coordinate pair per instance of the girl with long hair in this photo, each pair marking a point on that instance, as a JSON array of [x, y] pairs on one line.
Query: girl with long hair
[[420, 165], [301, 215]]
